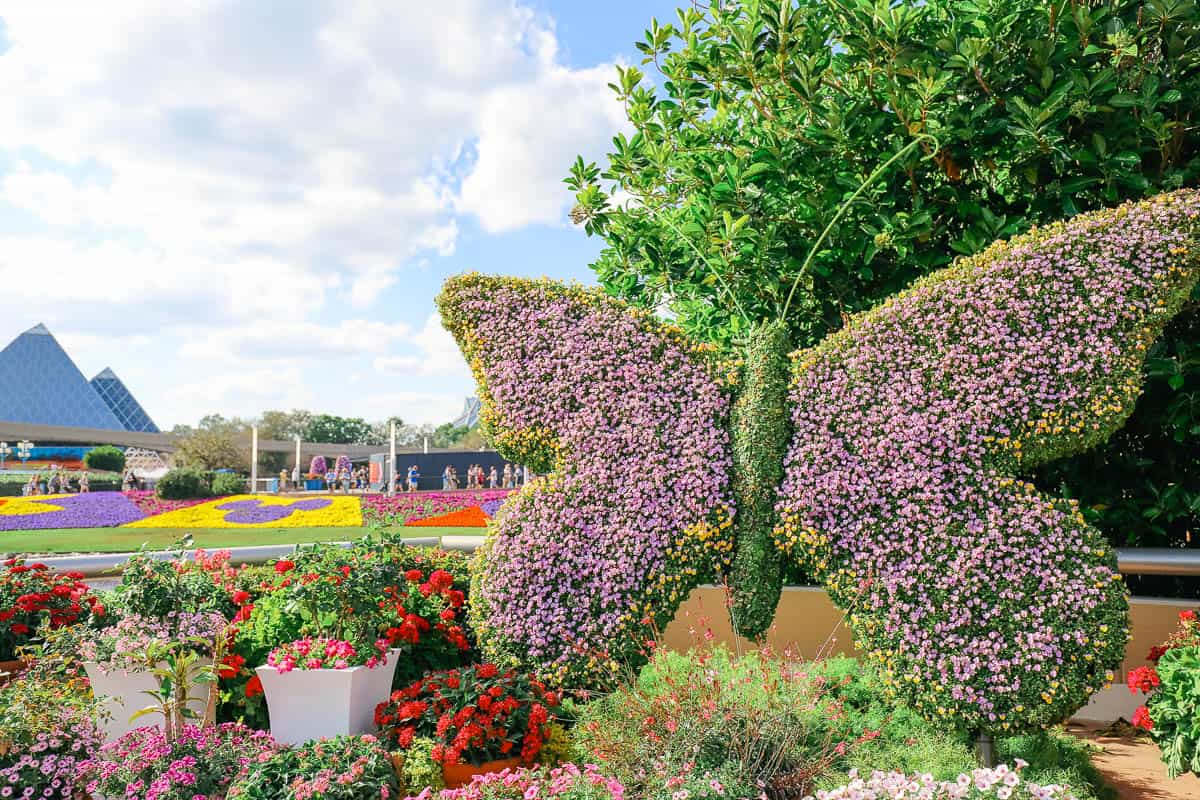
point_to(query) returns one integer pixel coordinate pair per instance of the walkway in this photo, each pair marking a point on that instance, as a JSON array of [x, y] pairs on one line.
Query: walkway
[[1132, 767]]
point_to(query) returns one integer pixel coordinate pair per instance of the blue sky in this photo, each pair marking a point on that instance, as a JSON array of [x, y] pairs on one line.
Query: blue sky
[[251, 205]]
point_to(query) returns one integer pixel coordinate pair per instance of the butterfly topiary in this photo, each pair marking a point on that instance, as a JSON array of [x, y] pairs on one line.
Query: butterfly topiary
[[885, 461]]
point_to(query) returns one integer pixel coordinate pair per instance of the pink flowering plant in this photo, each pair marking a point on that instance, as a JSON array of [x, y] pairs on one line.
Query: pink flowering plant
[[343, 768], [401, 509], [48, 728], [198, 762], [324, 653], [983, 604], [565, 782], [128, 644], [574, 381], [1000, 783]]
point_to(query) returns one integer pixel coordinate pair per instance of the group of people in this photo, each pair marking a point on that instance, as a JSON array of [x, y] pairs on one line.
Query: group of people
[[58, 482], [511, 477], [346, 480]]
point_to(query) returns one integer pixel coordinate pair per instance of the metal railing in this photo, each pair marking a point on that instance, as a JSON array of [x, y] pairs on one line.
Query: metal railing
[[1131, 561]]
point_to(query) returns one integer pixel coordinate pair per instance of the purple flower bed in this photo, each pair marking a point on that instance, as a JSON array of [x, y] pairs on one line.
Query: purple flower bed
[[983, 603], [250, 512], [93, 510], [575, 381], [405, 508]]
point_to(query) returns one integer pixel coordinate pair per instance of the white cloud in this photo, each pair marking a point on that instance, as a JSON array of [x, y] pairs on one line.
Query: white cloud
[[427, 352], [221, 174]]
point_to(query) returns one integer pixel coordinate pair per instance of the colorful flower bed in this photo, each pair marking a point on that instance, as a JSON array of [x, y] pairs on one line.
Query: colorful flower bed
[[569, 380], [152, 505], [147, 510], [1172, 682], [93, 510], [404, 509], [249, 511]]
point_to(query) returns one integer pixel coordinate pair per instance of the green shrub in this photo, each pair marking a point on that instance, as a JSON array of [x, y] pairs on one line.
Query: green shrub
[[227, 483], [185, 483], [105, 457], [418, 770], [705, 710]]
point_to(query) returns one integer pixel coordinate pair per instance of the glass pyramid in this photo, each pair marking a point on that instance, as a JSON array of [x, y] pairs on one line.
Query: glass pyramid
[[116, 396], [40, 384]]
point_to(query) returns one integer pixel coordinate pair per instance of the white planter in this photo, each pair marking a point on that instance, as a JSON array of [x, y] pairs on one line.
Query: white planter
[[122, 694], [308, 704]]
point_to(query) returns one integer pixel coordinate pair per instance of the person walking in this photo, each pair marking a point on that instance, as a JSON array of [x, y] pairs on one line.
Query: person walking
[[283, 481], [296, 477], [508, 476], [414, 478], [84, 485], [331, 480], [446, 478], [493, 478]]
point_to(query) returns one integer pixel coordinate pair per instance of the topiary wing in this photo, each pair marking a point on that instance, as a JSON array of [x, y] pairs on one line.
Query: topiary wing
[[983, 602], [632, 419]]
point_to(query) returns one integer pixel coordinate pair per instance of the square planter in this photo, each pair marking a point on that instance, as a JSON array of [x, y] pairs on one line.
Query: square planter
[[308, 704], [121, 694]]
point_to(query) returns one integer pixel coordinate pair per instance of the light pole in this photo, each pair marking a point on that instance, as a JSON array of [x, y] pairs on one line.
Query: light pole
[[24, 450], [5, 451]]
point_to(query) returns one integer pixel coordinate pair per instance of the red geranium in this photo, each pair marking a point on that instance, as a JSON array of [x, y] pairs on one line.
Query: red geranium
[[1141, 719], [476, 714], [1142, 679], [32, 594], [283, 565]]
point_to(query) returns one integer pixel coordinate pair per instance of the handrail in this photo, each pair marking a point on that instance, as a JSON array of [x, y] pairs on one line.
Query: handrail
[[1130, 560]]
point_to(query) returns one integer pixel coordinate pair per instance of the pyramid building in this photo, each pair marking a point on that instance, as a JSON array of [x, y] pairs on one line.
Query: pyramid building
[[40, 385], [121, 402]]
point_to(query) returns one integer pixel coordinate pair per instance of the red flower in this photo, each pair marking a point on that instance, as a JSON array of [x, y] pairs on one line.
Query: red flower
[[254, 687], [244, 613], [414, 576], [99, 610], [241, 597], [1157, 652], [5, 616], [441, 580], [19, 628], [231, 666], [1144, 679], [456, 598], [283, 565], [1141, 719], [1187, 615], [486, 671], [447, 614]]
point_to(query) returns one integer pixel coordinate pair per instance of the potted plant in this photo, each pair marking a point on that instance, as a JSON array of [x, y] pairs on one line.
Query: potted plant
[[131, 664], [316, 473], [320, 687], [333, 628], [482, 719], [31, 595]]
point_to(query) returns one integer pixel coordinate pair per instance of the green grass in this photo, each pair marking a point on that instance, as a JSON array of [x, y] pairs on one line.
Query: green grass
[[122, 540]]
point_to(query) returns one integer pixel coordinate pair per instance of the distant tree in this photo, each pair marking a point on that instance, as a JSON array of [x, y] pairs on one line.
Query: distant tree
[[449, 435], [213, 448], [282, 426], [330, 429], [105, 457]]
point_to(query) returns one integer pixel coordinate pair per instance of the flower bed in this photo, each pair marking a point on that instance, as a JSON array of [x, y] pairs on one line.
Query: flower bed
[[250, 511], [152, 505], [404, 509], [1172, 681], [92, 510], [472, 517]]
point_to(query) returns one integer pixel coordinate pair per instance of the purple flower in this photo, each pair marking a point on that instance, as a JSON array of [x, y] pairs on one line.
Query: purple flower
[[92, 510]]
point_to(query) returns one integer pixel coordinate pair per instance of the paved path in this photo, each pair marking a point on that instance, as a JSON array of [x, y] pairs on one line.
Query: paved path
[[1132, 767]]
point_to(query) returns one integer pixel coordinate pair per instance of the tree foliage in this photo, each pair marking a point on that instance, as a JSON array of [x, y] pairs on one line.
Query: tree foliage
[[332, 429], [759, 118]]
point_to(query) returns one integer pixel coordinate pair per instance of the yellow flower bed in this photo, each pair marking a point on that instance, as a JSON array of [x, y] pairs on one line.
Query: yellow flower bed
[[22, 506], [251, 511]]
